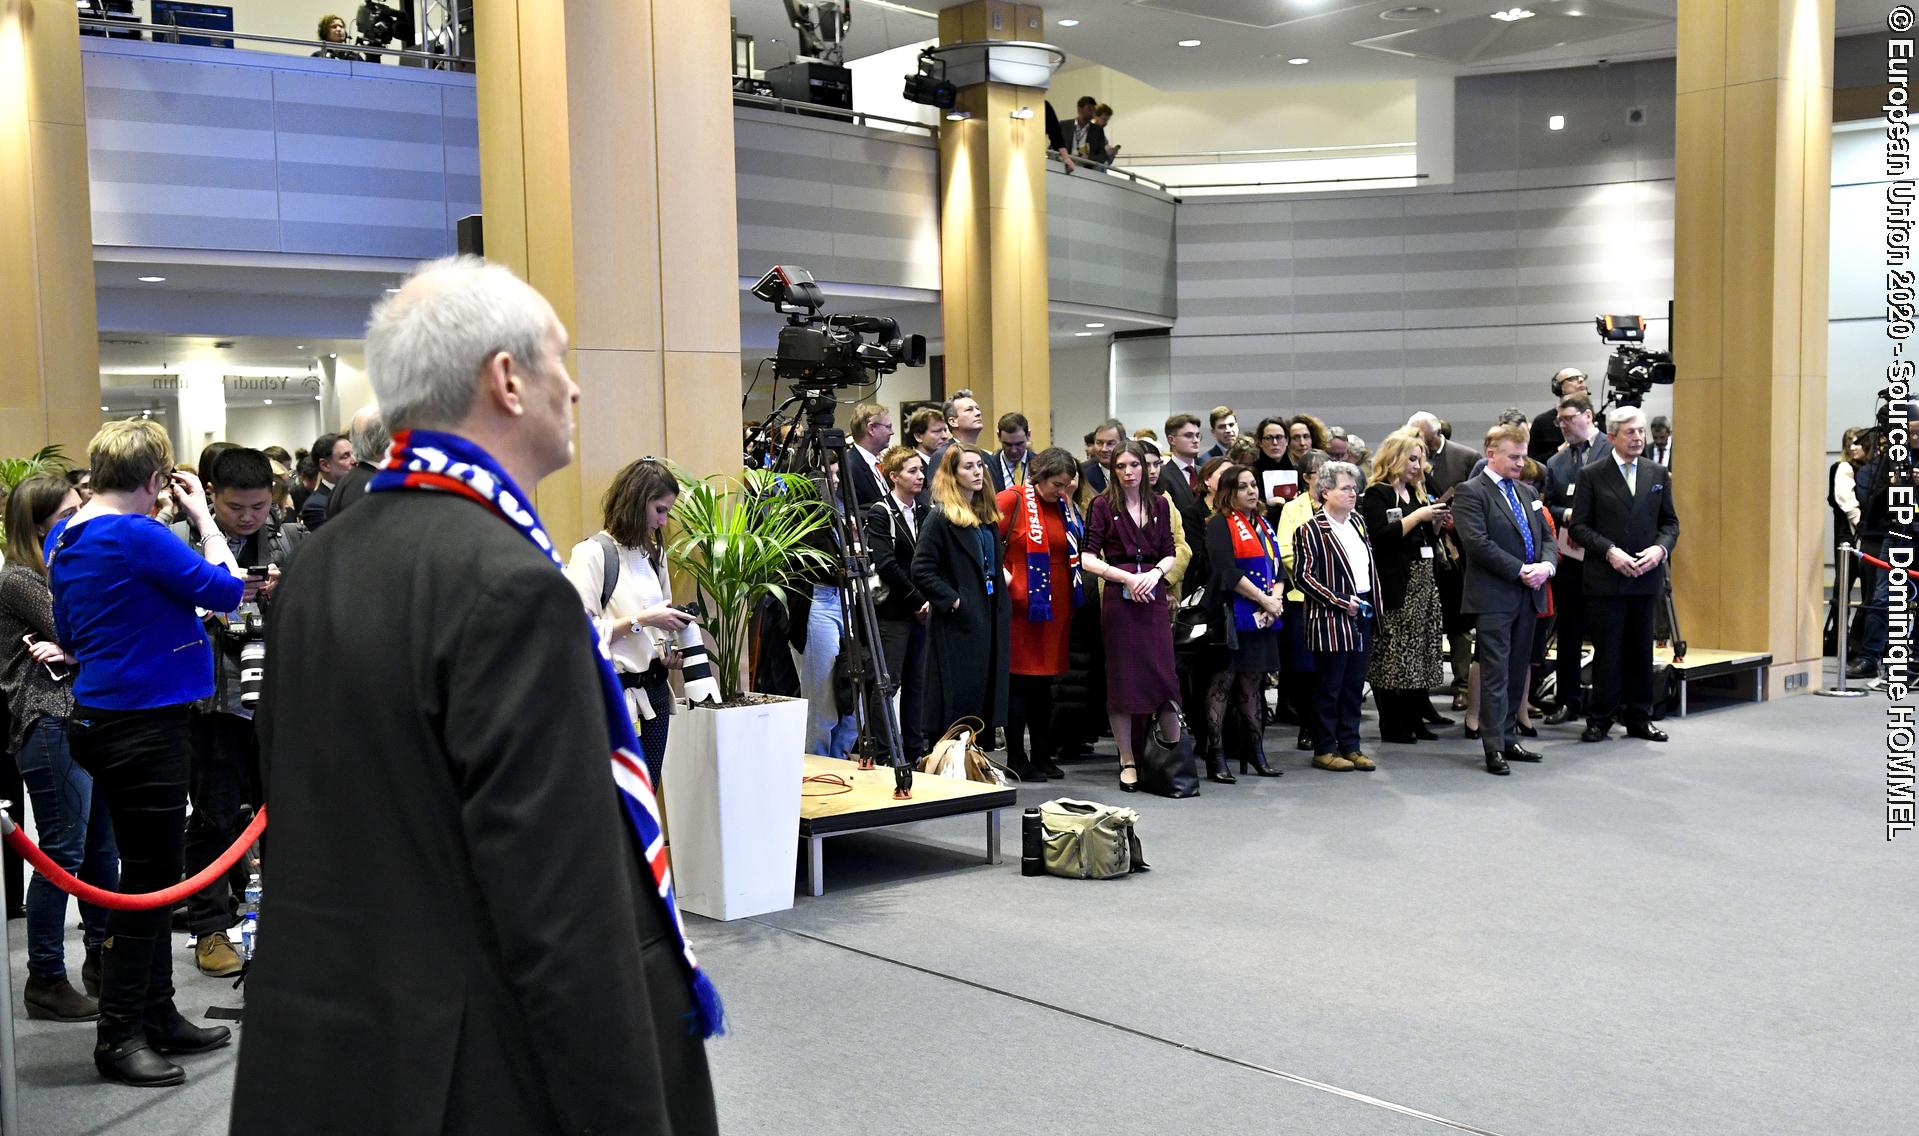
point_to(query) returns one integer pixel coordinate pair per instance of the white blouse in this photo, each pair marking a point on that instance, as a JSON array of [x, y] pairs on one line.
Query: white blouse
[[637, 589], [1354, 546]]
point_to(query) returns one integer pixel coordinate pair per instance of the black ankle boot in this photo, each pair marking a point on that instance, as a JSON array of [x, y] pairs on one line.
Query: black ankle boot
[[55, 1000], [134, 1062], [1393, 726], [1428, 713], [1216, 767]]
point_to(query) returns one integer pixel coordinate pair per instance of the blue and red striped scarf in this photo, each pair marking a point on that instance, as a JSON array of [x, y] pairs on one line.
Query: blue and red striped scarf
[[447, 463], [1256, 552]]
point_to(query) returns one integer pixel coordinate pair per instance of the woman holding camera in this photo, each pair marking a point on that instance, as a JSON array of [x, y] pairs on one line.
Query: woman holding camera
[[957, 567], [1405, 524], [72, 819], [620, 573], [124, 594]]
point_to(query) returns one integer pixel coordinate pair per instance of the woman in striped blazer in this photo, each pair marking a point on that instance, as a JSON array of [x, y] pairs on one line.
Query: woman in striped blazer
[[1340, 578]]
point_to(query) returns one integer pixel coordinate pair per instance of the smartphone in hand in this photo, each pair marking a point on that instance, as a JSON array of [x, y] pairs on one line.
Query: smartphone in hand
[[56, 671]]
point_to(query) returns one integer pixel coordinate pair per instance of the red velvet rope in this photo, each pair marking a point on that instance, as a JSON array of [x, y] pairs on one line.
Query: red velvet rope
[[167, 897], [1873, 560]]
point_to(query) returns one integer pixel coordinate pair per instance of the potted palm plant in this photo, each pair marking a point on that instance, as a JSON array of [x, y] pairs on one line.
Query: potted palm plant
[[734, 767], [47, 460]]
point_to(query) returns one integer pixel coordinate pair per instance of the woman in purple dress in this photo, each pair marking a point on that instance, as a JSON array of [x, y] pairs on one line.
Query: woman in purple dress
[[1129, 544]]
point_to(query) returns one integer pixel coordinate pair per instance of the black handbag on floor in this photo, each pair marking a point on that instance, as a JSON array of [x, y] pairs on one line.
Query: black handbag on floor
[[1167, 768]]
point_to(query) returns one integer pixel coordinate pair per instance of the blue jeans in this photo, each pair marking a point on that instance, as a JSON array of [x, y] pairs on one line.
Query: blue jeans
[[828, 732], [75, 833]]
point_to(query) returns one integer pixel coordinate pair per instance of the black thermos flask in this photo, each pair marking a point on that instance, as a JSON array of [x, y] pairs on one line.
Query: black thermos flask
[[1032, 860]]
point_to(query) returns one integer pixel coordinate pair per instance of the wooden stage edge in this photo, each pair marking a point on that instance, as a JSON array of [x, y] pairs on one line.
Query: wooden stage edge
[[828, 810], [1708, 664]]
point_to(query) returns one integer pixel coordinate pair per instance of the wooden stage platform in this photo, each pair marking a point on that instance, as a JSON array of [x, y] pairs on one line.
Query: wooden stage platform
[[1746, 669], [827, 810]]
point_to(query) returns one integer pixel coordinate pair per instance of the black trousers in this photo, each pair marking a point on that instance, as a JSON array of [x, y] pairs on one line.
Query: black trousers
[[903, 642], [1505, 664], [1622, 628], [224, 782], [1569, 604], [1029, 708], [140, 761], [1339, 682]]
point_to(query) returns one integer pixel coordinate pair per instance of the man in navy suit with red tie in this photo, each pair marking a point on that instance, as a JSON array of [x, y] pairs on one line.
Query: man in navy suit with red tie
[[1623, 517]]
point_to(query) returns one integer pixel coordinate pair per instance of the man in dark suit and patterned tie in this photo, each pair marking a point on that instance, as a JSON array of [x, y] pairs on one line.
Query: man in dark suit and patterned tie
[[1623, 517], [1179, 480], [1509, 559]]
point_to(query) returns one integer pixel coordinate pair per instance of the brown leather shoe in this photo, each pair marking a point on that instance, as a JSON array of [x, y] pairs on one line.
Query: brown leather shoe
[[1361, 762], [1332, 762], [215, 956]]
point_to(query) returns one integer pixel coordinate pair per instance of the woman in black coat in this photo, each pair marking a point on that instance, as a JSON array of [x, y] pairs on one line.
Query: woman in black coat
[[893, 524], [956, 566]]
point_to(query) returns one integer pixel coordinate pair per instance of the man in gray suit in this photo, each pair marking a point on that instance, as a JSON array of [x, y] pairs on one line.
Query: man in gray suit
[[1447, 462], [1509, 559]]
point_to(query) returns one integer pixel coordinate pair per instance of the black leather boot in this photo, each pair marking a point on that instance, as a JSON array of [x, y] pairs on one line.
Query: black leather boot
[[90, 973], [1255, 752], [1216, 768], [55, 1000], [1393, 726], [134, 1062]]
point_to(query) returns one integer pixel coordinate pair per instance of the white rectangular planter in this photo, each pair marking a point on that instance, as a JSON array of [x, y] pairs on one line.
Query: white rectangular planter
[[732, 788]]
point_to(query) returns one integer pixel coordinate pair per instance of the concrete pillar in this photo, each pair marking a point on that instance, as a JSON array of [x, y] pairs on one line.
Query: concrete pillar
[[993, 230], [1750, 269], [50, 388], [618, 204]]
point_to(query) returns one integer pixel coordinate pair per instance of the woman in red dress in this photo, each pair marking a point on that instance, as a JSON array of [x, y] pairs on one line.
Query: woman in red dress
[[1040, 535]]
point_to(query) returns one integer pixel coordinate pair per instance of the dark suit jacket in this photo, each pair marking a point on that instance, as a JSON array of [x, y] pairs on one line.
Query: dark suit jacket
[[932, 465], [465, 808], [351, 488], [1452, 465], [1562, 478], [890, 545], [1192, 512], [313, 512], [1094, 474], [1605, 515], [1496, 550], [866, 480], [996, 465]]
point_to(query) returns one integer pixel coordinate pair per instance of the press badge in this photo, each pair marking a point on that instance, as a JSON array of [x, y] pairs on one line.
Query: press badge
[[1425, 552]]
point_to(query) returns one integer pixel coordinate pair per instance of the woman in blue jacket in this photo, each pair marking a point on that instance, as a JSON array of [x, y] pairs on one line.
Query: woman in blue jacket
[[124, 594]]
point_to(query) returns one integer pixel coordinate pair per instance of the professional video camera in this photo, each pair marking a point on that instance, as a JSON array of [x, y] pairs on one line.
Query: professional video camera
[[1631, 371], [821, 352], [379, 25]]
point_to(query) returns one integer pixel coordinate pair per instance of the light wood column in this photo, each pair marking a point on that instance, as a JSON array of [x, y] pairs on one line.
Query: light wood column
[[1750, 271], [993, 231], [624, 217], [50, 389]]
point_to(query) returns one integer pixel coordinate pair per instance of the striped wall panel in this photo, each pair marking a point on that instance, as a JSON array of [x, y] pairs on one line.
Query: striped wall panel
[[1461, 300], [261, 153], [850, 204], [1110, 245]]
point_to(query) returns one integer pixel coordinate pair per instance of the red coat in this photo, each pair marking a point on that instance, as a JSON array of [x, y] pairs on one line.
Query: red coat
[[1037, 648]]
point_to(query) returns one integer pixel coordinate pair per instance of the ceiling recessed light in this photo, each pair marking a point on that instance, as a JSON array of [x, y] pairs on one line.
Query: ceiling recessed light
[[153, 280], [1069, 23], [266, 402], [1095, 325], [1556, 122], [1190, 42], [958, 115], [1082, 334], [299, 347], [1298, 59], [1511, 14]]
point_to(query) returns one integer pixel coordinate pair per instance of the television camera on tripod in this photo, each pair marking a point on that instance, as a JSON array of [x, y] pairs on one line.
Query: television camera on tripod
[[819, 355]]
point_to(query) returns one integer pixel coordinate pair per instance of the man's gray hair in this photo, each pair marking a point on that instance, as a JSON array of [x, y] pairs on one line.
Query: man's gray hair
[[369, 435], [1623, 416], [1513, 416], [1330, 473], [426, 344], [1422, 419], [1659, 420]]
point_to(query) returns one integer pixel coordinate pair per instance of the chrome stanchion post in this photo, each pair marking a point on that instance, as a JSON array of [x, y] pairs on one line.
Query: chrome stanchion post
[[1842, 614]]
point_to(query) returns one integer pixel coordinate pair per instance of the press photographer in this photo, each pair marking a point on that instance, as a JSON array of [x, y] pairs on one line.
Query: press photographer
[[224, 782]]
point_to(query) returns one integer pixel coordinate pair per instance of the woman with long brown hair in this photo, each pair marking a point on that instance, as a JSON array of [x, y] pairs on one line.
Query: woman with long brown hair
[[1129, 544], [957, 567], [1247, 593]]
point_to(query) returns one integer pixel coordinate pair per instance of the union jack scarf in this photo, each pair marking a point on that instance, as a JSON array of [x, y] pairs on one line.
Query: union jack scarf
[[1039, 561], [447, 463]]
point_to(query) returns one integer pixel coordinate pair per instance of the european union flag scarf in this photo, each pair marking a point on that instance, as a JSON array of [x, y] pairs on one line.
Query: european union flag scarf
[[1039, 559], [447, 463], [1256, 552]]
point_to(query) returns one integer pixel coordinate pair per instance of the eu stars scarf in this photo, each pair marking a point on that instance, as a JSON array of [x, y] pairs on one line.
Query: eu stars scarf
[[1256, 552]]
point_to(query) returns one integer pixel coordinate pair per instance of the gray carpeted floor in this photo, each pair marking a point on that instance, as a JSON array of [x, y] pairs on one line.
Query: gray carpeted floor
[[1701, 937]]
